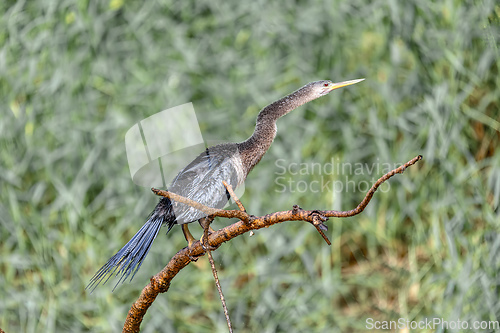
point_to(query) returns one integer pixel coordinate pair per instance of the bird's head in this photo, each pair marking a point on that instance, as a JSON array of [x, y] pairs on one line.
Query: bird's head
[[299, 97], [321, 88]]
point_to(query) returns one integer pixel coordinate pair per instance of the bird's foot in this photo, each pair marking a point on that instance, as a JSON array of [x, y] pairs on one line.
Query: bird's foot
[[190, 256], [190, 240], [206, 245]]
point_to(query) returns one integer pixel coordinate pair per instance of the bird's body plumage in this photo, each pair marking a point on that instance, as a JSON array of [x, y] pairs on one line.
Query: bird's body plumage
[[201, 181], [198, 181]]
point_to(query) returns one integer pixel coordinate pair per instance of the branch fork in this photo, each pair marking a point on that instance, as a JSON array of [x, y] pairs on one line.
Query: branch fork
[[161, 281]]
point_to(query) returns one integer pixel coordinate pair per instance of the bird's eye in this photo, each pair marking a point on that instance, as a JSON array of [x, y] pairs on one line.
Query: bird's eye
[[326, 84]]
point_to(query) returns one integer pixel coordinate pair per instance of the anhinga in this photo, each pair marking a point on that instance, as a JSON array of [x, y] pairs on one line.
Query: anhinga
[[201, 181]]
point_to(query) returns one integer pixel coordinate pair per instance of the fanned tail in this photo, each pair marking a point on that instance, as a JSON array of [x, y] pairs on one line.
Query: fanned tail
[[129, 259]]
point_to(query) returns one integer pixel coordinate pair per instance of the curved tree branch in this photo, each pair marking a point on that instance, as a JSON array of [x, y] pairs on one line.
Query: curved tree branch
[[161, 281]]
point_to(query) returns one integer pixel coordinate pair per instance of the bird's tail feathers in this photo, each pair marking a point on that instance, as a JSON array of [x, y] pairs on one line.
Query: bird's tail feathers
[[129, 259]]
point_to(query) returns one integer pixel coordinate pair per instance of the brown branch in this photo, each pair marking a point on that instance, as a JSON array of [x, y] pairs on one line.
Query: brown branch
[[161, 281], [219, 289], [369, 195], [229, 188], [205, 223]]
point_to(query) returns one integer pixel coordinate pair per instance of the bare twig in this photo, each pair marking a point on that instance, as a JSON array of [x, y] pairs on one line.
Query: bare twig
[[318, 223], [229, 188], [219, 289], [369, 195], [205, 223], [161, 281], [207, 210]]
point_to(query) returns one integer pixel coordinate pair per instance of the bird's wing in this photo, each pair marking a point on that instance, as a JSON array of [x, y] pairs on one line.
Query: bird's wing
[[201, 181]]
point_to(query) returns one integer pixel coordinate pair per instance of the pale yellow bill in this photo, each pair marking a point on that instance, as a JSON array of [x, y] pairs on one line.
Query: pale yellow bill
[[345, 83]]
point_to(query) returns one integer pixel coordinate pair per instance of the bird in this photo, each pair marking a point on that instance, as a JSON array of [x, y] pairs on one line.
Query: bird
[[202, 181]]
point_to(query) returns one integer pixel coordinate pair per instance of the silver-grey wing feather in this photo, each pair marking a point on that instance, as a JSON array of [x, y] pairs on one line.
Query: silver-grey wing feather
[[201, 181]]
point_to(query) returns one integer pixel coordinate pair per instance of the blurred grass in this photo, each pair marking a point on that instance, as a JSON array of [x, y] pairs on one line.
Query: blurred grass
[[76, 75]]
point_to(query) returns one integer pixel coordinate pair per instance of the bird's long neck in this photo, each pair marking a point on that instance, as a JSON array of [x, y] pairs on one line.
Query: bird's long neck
[[256, 146]]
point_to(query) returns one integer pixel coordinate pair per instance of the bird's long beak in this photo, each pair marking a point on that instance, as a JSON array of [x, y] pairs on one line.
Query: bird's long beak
[[344, 84]]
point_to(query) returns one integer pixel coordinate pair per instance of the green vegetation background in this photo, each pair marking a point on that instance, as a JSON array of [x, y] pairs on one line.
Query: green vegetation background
[[76, 75]]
